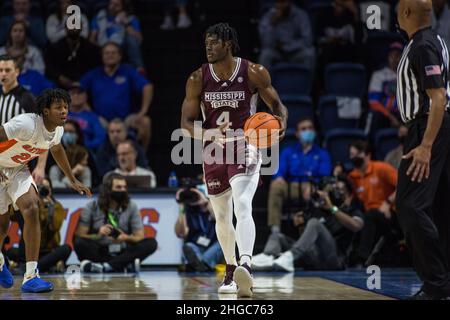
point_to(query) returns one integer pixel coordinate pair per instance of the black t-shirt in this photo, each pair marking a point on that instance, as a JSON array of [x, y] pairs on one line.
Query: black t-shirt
[[340, 233], [73, 62]]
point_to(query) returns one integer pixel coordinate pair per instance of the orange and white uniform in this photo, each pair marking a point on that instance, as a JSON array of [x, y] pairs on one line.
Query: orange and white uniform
[[27, 139]]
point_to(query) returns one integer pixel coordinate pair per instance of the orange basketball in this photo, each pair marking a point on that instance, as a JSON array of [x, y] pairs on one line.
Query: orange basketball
[[262, 129]]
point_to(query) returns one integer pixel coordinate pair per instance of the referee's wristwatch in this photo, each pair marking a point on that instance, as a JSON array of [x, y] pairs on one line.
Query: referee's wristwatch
[[334, 210]]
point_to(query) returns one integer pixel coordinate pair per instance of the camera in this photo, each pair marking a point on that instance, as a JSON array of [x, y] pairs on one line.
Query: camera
[[114, 233], [187, 196], [328, 185]]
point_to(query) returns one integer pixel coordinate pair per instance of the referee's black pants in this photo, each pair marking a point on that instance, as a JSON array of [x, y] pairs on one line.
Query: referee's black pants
[[424, 209]]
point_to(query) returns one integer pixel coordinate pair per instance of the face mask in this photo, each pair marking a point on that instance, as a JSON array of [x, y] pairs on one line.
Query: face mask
[[357, 161], [119, 196], [202, 188], [307, 136], [69, 138]]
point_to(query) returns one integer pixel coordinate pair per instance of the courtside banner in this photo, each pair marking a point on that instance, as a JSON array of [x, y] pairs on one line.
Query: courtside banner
[[159, 213]]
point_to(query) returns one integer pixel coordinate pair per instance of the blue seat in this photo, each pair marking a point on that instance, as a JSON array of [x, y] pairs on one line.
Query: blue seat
[[385, 141], [327, 112], [292, 78], [337, 142], [345, 79], [298, 107]]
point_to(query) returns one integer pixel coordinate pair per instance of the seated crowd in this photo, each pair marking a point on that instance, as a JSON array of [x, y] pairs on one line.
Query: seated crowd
[[322, 214]]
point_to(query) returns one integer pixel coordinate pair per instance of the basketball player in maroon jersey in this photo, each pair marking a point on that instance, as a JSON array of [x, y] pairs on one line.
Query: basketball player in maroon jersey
[[225, 91]]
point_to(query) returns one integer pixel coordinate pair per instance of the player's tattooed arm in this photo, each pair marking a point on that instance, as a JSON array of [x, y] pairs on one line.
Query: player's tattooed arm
[[190, 111], [3, 136], [260, 80]]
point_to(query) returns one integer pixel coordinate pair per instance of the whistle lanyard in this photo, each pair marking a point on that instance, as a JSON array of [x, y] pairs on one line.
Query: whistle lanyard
[[112, 219]]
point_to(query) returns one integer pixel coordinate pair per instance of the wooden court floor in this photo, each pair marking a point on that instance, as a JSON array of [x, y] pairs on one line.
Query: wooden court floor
[[171, 285]]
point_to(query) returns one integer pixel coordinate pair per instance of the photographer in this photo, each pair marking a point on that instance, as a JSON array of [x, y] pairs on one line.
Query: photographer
[[196, 225], [110, 232], [332, 217], [51, 216], [375, 184]]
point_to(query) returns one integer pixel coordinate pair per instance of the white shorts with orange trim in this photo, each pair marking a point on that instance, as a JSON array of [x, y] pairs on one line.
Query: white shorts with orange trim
[[18, 183]]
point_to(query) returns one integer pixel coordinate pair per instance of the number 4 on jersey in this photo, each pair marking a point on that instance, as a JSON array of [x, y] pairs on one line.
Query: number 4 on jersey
[[224, 118]]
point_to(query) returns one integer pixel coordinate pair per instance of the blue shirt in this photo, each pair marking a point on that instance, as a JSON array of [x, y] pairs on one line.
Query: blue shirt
[[109, 30], [200, 224], [34, 82], [296, 166], [93, 132], [116, 90]]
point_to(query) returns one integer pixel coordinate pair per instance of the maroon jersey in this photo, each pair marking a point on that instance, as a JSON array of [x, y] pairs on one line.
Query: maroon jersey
[[227, 101]]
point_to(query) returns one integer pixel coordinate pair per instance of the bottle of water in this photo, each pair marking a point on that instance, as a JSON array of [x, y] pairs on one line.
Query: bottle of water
[[173, 180]]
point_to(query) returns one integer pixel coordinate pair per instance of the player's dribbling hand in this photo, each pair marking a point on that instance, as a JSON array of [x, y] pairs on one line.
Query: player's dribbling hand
[[282, 127], [420, 165], [217, 135], [81, 188]]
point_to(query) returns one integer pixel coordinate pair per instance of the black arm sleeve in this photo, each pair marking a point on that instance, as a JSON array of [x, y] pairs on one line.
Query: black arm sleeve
[[427, 62]]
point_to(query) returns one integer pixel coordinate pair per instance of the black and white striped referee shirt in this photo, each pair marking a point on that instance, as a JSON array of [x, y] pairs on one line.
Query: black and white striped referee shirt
[[424, 65], [17, 101]]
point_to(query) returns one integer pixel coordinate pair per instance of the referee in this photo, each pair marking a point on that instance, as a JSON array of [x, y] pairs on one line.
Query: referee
[[15, 100], [423, 190]]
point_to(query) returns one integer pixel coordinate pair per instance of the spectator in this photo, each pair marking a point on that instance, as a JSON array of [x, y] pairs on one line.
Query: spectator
[[394, 157], [52, 255], [21, 13], [196, 225], [183, 18], [322, 245], [73, 136], [17, 46], [118, 83], [298, 164], [126, 156], [110, 232], [71, 57], [32, 80], [339, 32], [382, 93], [374, 183], [106, 153], [78, 159], [286, 35], [116, 24], [93, 132], [338, 169], [441, 19], [56, 23]]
